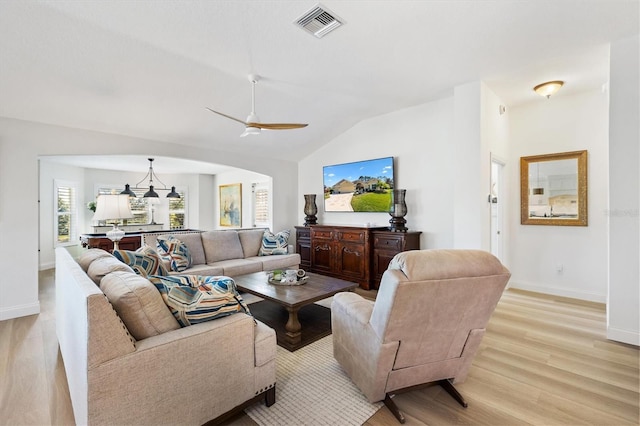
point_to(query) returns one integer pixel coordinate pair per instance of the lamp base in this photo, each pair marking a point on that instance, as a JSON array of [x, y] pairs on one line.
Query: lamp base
[[115, 235]]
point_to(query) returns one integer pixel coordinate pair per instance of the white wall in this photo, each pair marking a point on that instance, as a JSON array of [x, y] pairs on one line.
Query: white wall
[[442, 153], [479, 131], [21, 144], [420, 140], [204, 216], [49, 172], [245, 178], [561, 124], [623, 322], [469, 204]]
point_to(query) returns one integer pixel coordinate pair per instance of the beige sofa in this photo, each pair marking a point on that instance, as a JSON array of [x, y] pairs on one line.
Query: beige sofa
[[227, 252], [185, 376]]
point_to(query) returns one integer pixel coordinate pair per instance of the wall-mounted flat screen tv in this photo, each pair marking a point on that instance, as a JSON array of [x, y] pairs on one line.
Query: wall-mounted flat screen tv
[[361, 186]]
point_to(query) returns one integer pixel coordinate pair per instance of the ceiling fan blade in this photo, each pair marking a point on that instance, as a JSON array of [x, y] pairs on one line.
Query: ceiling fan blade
[[277, 126], [228, 116], [252, 125]]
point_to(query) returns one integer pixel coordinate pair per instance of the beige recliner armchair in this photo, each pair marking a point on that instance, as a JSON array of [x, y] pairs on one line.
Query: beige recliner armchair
[[425, 325]]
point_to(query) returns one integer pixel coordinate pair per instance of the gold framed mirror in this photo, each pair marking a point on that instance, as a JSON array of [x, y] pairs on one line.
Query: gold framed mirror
[[553, 189]]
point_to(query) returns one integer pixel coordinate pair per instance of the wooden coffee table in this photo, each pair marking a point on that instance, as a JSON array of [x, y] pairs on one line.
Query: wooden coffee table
[[290, 309]]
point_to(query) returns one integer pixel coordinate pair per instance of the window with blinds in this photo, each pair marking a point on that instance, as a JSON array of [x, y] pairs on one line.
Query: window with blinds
[[177, 213], [66, 213], [139, 206], [261, 210]]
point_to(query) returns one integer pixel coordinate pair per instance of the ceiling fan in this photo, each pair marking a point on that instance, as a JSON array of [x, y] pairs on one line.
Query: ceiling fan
[[252, 124]]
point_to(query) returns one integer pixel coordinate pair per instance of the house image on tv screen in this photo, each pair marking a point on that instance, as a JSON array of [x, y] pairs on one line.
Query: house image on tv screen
[[362, 186]]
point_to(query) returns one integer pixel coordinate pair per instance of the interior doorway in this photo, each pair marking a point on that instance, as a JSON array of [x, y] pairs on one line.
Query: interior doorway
[[496, 199]]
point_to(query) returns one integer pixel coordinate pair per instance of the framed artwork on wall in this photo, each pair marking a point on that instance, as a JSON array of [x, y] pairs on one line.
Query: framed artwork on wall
[[231, 205]]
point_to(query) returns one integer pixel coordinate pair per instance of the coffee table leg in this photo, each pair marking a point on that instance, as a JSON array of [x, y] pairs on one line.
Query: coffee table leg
[[293, 327]]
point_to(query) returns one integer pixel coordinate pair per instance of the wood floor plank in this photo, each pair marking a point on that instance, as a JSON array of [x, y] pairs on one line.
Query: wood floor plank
[[25, 381], [544, 360]]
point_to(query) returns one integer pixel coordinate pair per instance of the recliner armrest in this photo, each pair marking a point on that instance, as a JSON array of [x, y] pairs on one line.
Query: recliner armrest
[[357, 347], [353, 305]]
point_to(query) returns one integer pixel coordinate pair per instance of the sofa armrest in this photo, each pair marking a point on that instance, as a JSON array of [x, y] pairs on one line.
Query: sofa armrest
[[209, 367], [108, 337], [227, 325]]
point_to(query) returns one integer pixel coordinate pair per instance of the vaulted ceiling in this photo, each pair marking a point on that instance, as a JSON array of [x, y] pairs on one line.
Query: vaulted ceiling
[[150, 68]]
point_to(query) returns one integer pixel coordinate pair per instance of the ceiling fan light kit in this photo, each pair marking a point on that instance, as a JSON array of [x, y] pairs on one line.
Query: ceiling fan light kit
[[253, 125], [249, 130]]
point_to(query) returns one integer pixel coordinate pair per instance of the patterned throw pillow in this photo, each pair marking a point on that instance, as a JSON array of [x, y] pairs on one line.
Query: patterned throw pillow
[[172, 249], [144, 261], [274, 243], [149, 251], [193, 299]]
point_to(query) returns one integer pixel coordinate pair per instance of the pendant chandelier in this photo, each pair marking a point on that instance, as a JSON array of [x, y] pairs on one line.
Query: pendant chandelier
[[151, 191]]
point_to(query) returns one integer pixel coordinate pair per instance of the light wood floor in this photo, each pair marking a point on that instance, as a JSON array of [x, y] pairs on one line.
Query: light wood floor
[[543, 361]]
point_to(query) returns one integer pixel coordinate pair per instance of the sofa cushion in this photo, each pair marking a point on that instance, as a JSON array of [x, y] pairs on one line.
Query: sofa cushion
[[193, 299], [170, 247], [139, 304], [221, 245], [144, 261], [193, 241], [274, 243], [85, 259], [251, 240], [235, 267], [285, 261], [105, 265], [214, 269]]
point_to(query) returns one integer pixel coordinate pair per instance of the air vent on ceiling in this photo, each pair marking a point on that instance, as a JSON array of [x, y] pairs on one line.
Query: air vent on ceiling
[[319, 21]]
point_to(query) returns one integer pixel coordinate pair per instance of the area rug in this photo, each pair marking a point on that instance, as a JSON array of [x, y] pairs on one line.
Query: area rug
[[311, 390]]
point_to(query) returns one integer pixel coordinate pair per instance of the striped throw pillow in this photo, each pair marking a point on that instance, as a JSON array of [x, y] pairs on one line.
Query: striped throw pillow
[[274, 243], [193, 299], [144, 261], [175, 251]]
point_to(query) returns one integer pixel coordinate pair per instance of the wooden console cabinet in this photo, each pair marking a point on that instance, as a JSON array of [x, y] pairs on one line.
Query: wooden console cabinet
[[351, 253], [386, 245], [128, 242], [303, 246]]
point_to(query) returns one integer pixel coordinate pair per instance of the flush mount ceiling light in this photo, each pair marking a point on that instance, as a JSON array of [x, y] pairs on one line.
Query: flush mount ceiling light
[[151, 193], [549, 88]]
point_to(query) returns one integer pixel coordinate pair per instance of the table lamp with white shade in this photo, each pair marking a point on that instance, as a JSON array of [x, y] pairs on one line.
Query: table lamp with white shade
[[113, 207]]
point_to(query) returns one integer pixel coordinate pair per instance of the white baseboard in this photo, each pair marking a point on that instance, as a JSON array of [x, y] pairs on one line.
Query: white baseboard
[[19, 311], [559, 291], [47, 265], [625, 336]]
